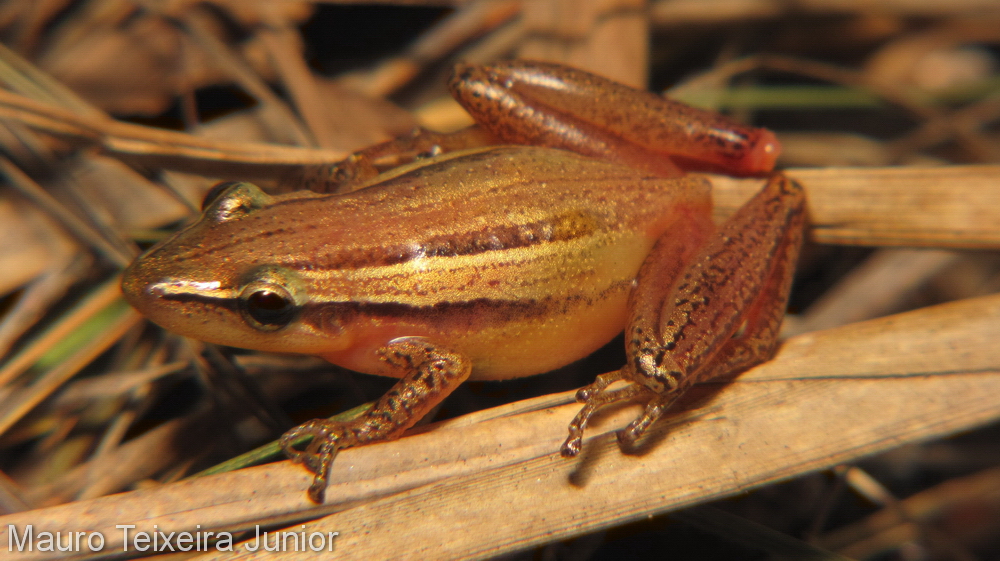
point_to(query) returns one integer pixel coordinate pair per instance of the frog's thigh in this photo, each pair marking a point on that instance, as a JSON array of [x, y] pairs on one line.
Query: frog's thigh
[[757, 337]]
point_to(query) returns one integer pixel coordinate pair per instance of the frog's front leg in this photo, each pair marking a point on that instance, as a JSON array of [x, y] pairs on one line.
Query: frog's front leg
[[719, 314], [432, 374]]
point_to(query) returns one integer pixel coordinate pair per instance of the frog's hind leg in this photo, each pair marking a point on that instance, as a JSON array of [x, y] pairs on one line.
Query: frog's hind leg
[[756, 339], [718, 315], [544, 104]]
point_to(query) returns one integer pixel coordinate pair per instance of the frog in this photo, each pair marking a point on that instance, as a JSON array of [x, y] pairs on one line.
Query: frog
[[571, 212]]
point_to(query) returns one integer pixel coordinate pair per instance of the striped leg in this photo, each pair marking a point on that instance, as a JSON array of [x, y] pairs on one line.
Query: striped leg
[[719, 314]]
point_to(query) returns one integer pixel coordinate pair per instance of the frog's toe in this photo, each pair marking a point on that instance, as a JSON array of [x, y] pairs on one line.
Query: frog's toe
[[655, 409], [318, 455]]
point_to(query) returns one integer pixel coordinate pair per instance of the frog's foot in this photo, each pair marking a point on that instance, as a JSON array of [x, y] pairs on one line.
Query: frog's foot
[[655, 409], [360, 168], [594, 397], [318, 455]]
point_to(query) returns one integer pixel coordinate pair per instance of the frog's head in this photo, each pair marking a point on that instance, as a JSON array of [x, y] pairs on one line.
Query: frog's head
[[228, 278]]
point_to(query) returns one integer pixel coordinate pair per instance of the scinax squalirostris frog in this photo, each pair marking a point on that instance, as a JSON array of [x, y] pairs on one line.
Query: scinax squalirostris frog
[[502, 251]]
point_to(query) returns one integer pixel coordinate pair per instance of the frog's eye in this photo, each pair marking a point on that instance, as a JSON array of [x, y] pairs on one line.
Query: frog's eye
[[271, 297], [267, 306], [233, 199], [215, 192]]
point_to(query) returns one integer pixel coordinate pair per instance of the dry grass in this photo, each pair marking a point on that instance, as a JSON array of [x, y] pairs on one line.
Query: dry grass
[[889, 116]]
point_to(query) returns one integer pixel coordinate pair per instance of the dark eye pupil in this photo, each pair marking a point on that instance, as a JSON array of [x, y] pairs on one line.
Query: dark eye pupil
[[270, 308]]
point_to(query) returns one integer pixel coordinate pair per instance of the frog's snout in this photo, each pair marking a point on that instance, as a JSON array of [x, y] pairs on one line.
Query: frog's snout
[[159, 296], [134, 286]]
